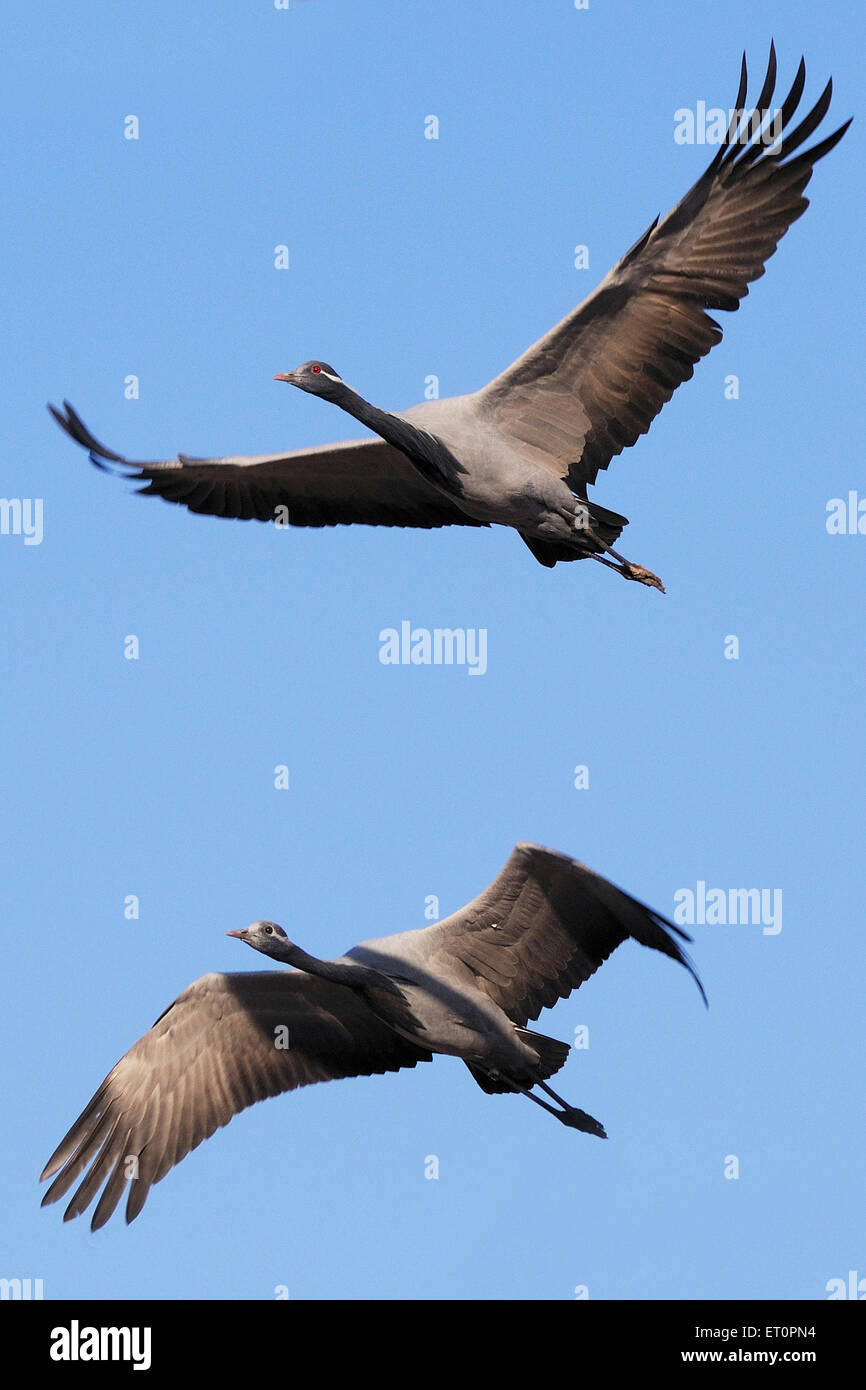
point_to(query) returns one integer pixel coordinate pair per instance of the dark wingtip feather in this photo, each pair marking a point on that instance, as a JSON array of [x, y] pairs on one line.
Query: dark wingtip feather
[[792, 100], [138, 1194], [769, 81], [818, 151], [682, 956], [73, 425], [694, 974], [802, 132], [741, 97], [738, 157]]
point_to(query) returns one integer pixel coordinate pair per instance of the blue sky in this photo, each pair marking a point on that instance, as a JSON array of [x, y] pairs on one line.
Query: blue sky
[[411, 257]]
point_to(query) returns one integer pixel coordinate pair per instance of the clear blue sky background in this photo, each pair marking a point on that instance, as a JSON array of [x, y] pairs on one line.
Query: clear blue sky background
[[412, 257]]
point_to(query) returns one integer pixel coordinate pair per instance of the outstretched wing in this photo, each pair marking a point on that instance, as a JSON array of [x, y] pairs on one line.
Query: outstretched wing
[[595, 382], [225, 1043], [544, 925], [359, 480]]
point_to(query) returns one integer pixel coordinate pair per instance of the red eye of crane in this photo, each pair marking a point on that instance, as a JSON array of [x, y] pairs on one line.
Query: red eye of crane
[[317, 370]]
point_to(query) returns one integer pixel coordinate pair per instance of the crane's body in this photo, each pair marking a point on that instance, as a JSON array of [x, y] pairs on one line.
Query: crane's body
[[522, 451], [464, 987], [448, 1015], [503, 482]]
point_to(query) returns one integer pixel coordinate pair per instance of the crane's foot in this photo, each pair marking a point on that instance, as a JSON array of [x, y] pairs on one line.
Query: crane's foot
[[629, 571], [569, 1114], [623, 566], [578, 1119]]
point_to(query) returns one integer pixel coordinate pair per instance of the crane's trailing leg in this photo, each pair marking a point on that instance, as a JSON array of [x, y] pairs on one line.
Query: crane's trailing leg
[[569, 1114], [630, 571], [577, 1119], [624, 567]]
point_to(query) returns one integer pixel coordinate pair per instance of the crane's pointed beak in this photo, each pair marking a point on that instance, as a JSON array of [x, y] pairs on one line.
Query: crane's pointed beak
[[286, 376]]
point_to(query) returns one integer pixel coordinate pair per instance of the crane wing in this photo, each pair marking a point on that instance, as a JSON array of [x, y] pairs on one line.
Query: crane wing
[[542, 927], [595, 382], [358, 480], [215, 1051]]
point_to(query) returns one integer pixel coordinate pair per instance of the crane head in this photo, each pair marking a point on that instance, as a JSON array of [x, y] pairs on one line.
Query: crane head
[[314, 376], [263, 936]]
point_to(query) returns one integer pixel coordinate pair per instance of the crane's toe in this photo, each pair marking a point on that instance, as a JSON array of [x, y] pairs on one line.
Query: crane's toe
[[578, 1119], [642, 576]]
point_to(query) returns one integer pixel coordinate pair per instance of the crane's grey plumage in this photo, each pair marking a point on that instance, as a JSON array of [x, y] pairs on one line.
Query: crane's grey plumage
[[465, 986], [522, 451]]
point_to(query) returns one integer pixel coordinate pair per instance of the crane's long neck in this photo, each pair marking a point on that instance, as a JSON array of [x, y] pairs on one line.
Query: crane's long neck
[[430, 456], [357, 977], [379, 992]]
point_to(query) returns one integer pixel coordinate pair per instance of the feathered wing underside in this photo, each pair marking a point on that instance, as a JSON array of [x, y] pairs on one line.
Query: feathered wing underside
[[542, 927], [592, 385], [225, 1043], [363, 481]]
